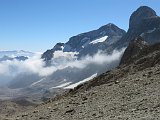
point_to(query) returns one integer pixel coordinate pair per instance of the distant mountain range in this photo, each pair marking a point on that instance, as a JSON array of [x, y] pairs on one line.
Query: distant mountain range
[[16, 53], [12, 55]]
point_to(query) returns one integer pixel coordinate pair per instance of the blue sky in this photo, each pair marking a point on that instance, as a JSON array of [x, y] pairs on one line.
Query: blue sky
[[37, 25]]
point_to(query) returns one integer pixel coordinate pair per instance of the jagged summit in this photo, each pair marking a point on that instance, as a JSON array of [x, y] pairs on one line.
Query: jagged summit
[[112, 29], [109, 29], [145, 23]]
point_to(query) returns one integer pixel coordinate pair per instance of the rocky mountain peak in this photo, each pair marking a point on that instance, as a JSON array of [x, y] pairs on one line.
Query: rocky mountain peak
[[141, 13], [145, 23], [112, 29], [88, 43]]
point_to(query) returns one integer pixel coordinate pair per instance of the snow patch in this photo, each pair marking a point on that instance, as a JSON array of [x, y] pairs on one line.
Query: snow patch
[[72, 86], [102, 39], [62, 85], [62, 47]]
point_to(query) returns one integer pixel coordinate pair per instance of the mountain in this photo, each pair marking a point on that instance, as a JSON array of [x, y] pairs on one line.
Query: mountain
[[88, 43], [143, 22], [19, 58]]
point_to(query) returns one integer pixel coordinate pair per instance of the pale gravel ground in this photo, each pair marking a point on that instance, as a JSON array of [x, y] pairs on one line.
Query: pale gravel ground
[[136, 96]]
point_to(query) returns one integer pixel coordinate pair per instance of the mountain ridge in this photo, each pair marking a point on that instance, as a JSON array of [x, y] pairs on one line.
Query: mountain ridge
[[80, 42]]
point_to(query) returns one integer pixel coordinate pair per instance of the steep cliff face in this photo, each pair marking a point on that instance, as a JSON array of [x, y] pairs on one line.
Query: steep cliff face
[[145, 23], [139, 15]]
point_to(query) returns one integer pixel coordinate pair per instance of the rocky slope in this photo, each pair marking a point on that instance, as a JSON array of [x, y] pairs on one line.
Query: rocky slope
[[9, 107], [130, 92]]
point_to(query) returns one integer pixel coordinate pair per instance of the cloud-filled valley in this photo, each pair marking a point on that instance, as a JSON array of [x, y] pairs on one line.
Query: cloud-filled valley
[[64, 67]]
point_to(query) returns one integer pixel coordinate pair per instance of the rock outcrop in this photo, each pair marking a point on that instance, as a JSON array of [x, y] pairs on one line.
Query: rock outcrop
[[134, 47]]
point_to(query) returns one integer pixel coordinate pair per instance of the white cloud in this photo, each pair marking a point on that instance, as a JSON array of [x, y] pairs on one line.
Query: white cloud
[[99, 58], [32, 65]]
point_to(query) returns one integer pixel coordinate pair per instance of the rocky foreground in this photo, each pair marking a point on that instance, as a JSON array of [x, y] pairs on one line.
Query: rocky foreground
[[130, 92]]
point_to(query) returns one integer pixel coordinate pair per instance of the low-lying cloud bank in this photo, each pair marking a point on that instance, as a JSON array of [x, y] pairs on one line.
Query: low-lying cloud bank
[[10, 70]]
